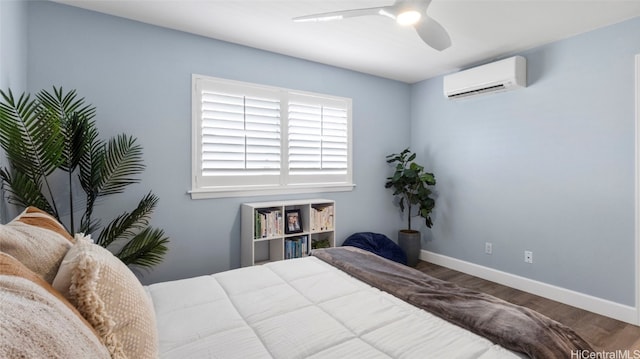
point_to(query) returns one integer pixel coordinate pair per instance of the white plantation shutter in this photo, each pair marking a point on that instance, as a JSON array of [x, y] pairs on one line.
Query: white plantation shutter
[[240, 137], [318, 139], [239, 133], [249, 137]]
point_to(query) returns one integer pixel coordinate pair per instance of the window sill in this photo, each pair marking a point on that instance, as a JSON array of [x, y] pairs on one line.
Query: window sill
[[204, 193]]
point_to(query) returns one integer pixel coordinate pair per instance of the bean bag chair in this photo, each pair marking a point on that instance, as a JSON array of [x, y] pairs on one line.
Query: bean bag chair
[[377, 243]]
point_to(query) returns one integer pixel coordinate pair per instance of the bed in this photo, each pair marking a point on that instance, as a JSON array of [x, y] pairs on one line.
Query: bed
[[338, 303], [322, 307]]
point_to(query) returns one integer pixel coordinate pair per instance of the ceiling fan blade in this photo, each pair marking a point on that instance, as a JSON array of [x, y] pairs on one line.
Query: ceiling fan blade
[[433, 34], [338, 15]]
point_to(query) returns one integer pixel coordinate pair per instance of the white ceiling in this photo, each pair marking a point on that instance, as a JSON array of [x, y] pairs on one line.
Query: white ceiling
[[481, 30]]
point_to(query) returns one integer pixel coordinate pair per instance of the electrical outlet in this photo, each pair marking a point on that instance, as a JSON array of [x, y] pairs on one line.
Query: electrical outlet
[[528, 257], [488, 248]]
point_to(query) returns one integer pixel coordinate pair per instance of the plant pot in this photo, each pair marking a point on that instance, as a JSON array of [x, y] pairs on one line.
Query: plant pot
[[410, 242]]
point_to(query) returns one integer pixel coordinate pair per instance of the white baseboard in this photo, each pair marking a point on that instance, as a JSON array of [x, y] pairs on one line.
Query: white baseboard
[[587, 302]]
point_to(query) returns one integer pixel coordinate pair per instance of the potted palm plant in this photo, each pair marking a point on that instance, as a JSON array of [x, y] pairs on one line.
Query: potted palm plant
[[411, 187], [52, 139]]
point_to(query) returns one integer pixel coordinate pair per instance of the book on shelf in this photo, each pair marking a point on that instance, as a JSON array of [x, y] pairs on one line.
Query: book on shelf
[[268, 223], [322, 218], [296, 247]]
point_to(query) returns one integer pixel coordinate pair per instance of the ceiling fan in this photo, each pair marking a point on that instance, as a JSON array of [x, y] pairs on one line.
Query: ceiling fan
[[404, 12]]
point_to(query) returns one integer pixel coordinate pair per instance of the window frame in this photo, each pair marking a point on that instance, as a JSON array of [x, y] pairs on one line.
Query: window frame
[[201, 186]]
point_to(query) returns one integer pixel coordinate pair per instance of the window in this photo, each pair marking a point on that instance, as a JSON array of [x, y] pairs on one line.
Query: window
[[251, 139]]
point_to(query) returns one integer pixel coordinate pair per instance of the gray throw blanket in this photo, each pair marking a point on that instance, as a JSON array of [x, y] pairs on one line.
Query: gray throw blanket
[[514, 327]]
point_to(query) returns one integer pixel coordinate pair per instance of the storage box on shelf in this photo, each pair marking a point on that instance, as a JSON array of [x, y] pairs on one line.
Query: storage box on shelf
[[264, 235]]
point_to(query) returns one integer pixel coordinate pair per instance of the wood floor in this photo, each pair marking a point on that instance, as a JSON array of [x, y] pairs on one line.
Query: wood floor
[[604, 334]]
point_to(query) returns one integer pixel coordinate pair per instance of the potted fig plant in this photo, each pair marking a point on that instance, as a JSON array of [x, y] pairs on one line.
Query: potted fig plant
[[411, 186]]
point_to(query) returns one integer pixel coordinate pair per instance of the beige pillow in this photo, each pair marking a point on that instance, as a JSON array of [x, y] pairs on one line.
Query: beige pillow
[[37, 322], [37, 240], [111, 298]]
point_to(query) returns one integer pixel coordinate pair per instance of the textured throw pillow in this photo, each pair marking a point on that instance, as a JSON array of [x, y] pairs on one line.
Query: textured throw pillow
[[111, 298], [37, 240], [37, 322]]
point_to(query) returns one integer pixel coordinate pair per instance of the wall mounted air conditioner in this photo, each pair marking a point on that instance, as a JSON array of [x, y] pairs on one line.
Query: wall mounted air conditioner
[[503, 75]]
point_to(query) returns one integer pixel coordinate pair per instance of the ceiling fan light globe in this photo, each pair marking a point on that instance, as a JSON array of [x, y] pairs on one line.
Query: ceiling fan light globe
[[409, 17]]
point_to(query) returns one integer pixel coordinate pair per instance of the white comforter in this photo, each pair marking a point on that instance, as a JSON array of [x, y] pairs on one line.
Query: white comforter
[[301, 308]]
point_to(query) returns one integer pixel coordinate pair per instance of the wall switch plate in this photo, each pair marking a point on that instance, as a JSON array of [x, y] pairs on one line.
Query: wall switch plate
[[488, 248], [528, 257]]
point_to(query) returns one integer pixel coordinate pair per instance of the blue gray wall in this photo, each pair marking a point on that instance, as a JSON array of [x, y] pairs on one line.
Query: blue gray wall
[[548, 168], [13, 43], [13, 62], [139, 78]]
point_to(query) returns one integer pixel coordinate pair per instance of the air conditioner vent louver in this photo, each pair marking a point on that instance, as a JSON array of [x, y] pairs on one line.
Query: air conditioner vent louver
[[478, 91], [503, 75]]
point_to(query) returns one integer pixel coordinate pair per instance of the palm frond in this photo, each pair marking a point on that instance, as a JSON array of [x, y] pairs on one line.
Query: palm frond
[[128, 225], [29, 137], [74, 132], [31, 142], [146, 249], [122, 162], [63, 105], [92, 156], [91, 162], [22, 191], [74, 117]]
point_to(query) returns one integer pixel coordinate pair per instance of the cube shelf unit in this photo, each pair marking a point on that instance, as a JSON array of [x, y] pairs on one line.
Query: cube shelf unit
[[263, 236]]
